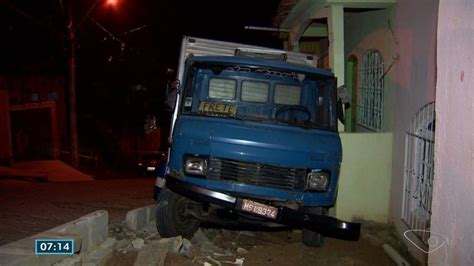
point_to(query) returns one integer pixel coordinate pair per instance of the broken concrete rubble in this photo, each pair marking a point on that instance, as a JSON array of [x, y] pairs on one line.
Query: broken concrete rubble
[[242, 251], [199, 237], [137, 219], [186, 248], [154, 254], [138, 243], [102, 254], [174, 243], [74, 260]]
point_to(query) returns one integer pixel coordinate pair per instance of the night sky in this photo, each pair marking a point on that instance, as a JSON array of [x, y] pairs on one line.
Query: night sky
[[33, 31], [119, 47]]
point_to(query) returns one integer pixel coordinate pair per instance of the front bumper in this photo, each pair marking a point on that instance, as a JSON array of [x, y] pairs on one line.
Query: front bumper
[[325, 225]]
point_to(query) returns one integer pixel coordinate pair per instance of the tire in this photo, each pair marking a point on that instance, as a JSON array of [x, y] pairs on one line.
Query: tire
[[171, 219], [312, 238]]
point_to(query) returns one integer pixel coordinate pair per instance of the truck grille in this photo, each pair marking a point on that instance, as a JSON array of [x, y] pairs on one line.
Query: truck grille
[[257, 174]]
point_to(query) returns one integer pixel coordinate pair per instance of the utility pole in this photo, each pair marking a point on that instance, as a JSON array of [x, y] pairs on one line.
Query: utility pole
[[71, 37], [72, 85]]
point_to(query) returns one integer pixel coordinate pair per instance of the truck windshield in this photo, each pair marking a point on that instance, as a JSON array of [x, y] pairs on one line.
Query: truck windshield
[[260, 94]]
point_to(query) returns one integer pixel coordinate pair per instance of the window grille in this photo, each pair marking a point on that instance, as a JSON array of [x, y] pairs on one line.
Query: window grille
[[287, 94], [255, 91], [418, 176], [224, 89], [370, 92]]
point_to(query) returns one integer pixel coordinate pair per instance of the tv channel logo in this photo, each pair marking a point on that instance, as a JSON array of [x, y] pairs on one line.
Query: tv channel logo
[[435, 241]]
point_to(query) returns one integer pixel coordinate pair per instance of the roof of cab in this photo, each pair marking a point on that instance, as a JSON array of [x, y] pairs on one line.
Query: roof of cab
[[250, 61]]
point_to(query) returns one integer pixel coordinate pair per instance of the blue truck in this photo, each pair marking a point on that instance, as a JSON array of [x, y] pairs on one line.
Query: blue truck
[[254, 140]]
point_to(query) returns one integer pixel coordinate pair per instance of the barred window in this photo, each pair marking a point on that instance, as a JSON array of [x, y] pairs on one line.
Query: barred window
[[371, 88], [419, 172]]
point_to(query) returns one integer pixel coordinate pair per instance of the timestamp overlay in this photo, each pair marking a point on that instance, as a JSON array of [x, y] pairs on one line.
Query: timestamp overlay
[[54, 246]]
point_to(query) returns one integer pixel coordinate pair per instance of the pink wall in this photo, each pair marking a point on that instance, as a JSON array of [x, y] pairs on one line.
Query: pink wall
[[453, 198], [415, 26]]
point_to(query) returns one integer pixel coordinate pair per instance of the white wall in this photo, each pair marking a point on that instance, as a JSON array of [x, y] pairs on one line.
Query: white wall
[[453, 198]]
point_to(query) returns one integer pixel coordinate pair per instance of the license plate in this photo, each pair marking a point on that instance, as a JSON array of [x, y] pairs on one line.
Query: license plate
[[150, 168], [259, 209]]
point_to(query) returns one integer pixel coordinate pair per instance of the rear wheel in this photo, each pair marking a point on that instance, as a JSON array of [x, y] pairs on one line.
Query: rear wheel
[[312, 238], [172, 219]]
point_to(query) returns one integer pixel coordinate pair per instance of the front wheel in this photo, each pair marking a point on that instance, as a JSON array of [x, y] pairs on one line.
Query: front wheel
[[172, 219], [312, 238]]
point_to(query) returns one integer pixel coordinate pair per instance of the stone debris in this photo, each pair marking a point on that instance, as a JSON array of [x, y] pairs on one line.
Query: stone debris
[[123, 244], [102, 254], [211, 233], [109, 243], [213, 261], [99, 256], [153, 254], [137, 218], [226, 253], [209, 260], [242, 250], [208, 248], [186, 248], [130, 234], [213, 247], [237, 262], [145, 247], [74, 260], [199, 237], [150, 232], [138, 243], [174, 243]]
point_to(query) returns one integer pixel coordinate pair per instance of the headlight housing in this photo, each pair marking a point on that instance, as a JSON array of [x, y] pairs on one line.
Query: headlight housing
[[317, 180], [194, 165]]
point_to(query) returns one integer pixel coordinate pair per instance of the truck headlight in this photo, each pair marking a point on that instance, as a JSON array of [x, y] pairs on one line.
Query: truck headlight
[[195, 165], [317, 180]]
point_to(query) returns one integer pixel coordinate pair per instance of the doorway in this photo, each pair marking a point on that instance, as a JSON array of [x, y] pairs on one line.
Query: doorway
[[31, 134]]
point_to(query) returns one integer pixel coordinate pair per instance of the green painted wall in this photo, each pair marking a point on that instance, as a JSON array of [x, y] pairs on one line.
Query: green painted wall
[[364, 185]]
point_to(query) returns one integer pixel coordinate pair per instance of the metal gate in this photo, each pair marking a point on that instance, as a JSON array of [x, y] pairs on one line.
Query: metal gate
[[419, 166], [371, 87]]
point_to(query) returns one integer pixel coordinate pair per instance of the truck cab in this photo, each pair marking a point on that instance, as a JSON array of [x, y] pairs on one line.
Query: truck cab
[[254, 140]]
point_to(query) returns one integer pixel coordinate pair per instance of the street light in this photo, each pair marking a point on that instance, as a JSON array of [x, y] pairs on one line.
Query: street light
[[112, 3]]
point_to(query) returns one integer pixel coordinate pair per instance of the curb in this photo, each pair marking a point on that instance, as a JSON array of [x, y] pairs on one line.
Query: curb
[[138, 218], [88, 232]]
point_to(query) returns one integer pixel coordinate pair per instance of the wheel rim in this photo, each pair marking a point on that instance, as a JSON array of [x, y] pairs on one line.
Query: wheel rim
[[183, 219]]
